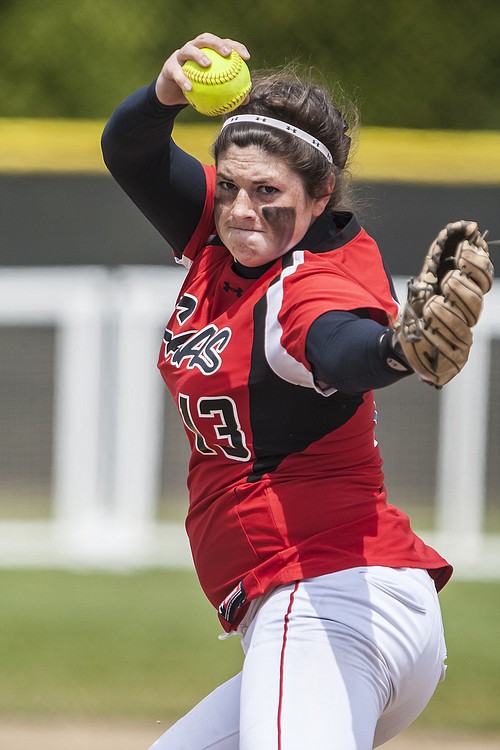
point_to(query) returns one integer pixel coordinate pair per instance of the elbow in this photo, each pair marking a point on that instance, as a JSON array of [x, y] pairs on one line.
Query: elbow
[[107, 147]]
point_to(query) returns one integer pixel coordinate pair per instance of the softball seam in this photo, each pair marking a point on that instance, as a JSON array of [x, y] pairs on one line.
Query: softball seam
[[231, 104], [206, 76]]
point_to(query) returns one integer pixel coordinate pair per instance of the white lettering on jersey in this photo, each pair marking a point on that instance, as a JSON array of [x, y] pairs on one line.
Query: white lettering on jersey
[[185, 307], [199, 349]]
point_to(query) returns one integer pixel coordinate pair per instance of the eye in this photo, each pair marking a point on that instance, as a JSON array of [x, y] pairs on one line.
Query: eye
[[268, 190], [225, 185]]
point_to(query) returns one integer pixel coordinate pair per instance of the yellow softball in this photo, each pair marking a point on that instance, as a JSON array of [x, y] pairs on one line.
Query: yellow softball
[[220, 88]]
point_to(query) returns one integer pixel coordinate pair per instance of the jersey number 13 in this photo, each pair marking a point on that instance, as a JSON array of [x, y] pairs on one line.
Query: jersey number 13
[[226, 433]]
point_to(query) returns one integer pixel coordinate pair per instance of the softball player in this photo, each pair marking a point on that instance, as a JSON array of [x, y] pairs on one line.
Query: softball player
[[280, 334]]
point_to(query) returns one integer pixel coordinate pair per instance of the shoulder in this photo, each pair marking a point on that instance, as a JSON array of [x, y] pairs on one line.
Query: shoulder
[[338, 267]]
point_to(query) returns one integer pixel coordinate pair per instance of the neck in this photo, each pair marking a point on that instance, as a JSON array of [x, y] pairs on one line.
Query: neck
[[250, 272]]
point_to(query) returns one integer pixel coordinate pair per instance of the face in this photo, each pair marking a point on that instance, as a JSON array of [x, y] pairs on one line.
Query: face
[[261, 207]]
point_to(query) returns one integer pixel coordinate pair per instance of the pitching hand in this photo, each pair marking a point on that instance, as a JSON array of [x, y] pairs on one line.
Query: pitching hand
[[172, 82]]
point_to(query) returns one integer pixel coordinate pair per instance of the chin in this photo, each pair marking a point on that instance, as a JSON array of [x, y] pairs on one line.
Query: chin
[[249, 256], [247, 260], [254, 259]]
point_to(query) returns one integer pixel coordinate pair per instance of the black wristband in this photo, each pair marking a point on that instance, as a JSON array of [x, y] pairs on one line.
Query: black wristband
[[391, 353]]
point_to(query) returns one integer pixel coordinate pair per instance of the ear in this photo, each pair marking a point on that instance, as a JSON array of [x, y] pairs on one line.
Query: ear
[[320, 203]]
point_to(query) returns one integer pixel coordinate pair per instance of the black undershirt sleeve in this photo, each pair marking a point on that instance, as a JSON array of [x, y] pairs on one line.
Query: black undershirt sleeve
[[353, 354], [165, 183]]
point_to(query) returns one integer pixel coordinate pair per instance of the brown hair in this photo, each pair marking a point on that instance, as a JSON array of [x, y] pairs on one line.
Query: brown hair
[[302, 103]]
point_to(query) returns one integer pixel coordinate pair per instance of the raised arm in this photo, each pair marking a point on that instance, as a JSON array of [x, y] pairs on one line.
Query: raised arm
[[165, 183]]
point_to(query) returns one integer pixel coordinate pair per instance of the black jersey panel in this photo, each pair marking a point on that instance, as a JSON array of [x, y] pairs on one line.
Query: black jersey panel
[[287, 418]]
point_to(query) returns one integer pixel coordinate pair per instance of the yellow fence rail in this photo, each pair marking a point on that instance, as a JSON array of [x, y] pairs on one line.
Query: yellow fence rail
[[382, 154]]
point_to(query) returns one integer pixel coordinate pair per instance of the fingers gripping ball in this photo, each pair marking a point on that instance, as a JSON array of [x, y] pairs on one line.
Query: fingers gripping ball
[[444, 302], [220, 88]]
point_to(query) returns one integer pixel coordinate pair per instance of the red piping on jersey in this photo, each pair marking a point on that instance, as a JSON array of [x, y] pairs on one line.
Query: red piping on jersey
[[206, 224], [282, 661]]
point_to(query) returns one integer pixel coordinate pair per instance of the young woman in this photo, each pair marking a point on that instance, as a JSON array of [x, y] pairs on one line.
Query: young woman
[[280, 334]]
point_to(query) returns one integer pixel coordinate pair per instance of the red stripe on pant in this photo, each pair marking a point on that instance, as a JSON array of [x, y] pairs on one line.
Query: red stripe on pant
[[282, 661]]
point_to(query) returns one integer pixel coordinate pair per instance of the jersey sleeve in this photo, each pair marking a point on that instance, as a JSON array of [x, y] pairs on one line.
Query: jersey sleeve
[[322, 286]]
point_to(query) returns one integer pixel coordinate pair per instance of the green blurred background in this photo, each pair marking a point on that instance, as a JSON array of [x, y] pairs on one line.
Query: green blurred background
[[144, 645], [409, 63]]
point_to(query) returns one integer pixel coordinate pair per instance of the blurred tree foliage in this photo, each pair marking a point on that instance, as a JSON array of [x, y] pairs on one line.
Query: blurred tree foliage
[[407, 63]]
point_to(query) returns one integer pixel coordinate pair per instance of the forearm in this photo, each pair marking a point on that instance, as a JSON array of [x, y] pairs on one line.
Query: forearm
[[165, 183], [353, 354]]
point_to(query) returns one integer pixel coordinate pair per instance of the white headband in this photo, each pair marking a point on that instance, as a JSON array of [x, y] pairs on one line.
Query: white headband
[[279, 125]]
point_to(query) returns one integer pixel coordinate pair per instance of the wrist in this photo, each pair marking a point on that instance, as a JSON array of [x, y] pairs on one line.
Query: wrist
[[168, 93], [392, 353]]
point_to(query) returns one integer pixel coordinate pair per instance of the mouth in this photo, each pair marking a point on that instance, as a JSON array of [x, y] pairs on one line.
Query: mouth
[[249, 230]]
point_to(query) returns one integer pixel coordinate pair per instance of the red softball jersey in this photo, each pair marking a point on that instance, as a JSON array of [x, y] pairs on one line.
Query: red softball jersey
[[285, 477]]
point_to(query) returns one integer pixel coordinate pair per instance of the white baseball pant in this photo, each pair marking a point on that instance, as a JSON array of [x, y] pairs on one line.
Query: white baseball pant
[[344, 661]]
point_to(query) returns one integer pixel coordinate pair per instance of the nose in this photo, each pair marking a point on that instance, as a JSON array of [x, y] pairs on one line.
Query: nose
[[242, 206]]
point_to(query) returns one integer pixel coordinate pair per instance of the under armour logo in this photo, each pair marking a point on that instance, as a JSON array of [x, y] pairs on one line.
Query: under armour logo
[[228, 288]]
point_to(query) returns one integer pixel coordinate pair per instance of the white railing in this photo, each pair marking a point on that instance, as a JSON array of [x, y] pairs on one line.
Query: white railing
[[108, 426], [461, 464]]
